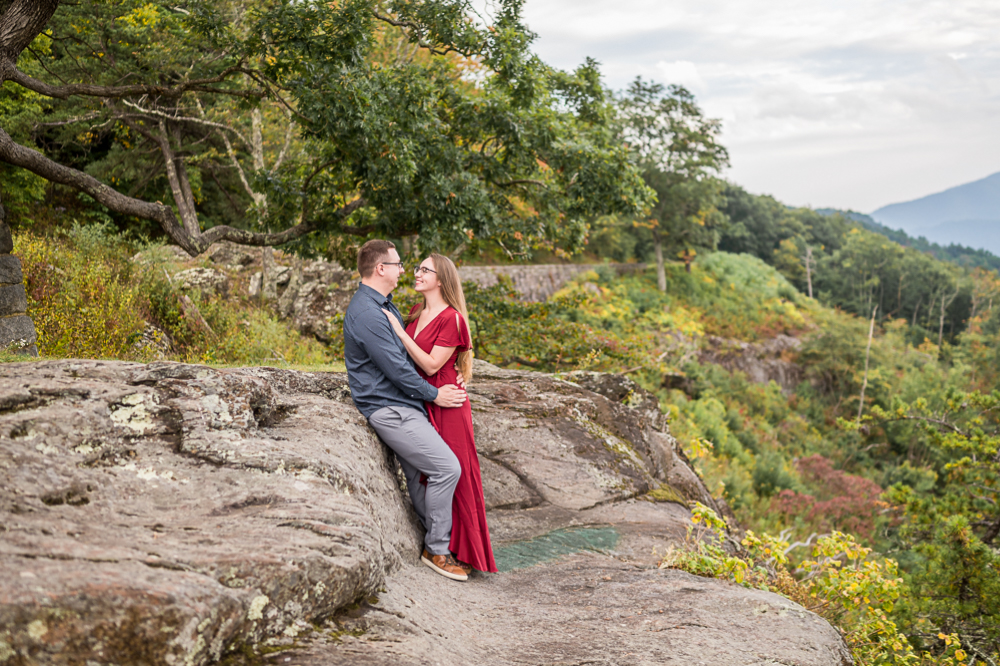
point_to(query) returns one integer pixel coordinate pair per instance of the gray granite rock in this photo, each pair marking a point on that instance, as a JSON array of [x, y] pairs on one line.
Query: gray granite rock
[[13, 299], [168, 513], [10, 269], [588, 608], [18, 332], [771, 360], [205, 280], [6, 239]]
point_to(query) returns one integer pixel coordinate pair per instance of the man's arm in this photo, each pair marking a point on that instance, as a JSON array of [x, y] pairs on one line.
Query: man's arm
[[380, 343]]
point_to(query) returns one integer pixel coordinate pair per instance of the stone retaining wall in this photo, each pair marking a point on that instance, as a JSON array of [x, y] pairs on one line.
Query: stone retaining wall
[[538, 282], [17, 331]]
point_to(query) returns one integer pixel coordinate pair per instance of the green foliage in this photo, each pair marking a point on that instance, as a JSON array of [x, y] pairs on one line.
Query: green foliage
[[678, 151], [853, 268], [424, 120], [959, 255], [759, 225], [953, 529], [842, 581], [506, 330], [83, 297], [20, 109], [89, 300]]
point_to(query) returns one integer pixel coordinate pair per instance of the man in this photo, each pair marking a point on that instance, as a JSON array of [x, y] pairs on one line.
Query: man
[[388, 391]]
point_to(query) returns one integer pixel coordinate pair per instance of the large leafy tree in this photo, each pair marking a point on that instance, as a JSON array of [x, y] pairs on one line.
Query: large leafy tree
[[276, 121], [678, 151]]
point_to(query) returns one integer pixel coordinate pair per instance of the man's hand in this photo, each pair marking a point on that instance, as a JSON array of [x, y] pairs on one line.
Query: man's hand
[[460, 380], [450, 395]]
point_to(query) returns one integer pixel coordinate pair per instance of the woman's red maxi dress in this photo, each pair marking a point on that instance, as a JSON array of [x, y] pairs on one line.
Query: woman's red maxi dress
[[470, 536]]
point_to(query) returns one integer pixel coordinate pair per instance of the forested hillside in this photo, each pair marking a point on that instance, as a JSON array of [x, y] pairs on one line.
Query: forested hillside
[[834, 381]]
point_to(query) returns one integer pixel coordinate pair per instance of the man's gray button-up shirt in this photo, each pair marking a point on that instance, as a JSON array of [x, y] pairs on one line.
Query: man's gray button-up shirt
[[379, 371]]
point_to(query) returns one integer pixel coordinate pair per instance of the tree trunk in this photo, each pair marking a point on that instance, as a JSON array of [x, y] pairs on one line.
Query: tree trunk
[[941, 324], [661, 273], [19, 25], [944, 306], [868, 351], [899, 293], [257, 134], [20, 22], [809, 281], [268, 285]]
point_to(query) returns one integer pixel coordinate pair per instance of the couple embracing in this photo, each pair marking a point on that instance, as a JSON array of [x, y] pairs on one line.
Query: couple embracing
[[407, 378]]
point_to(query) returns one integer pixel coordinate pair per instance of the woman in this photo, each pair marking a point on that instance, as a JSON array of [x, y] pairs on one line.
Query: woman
[[437, 338]]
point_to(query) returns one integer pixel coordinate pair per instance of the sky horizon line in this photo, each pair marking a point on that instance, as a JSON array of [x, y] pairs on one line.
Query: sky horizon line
[[850, 105]]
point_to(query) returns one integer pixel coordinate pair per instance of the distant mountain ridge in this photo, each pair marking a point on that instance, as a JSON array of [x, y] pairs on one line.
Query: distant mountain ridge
[[952, 252], [968, 214]]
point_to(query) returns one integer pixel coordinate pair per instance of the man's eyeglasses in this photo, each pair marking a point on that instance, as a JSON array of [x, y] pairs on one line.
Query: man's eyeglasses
[[422, 270], [398, 264]]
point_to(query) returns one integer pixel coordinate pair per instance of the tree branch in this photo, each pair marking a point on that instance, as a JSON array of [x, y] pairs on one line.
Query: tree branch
[[194, 244], [289, 132], [524, 181], [418, 35], [243, 237], [37, 163], [186, 119], [115, 92]]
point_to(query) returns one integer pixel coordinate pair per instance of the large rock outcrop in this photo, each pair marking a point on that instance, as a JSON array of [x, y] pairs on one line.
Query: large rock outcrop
[[171, 514], [771, 360]]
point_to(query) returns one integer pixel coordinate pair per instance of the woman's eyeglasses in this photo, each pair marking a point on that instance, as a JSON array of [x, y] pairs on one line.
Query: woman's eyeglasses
[[422, 270]]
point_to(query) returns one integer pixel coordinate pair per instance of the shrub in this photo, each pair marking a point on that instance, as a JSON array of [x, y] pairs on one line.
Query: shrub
[[842, 581], [89, 300], [842, 501], [83, 295]]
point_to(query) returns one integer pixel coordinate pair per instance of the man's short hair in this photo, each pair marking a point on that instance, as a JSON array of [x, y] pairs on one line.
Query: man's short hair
[[371, 255]]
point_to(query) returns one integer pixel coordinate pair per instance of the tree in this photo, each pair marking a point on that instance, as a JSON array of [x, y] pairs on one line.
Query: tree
[[319, 120], [954, 531], [678, 151]]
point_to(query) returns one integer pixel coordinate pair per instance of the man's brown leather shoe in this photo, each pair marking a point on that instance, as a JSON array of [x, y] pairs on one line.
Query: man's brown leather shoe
[[467, 568], [444, 565]]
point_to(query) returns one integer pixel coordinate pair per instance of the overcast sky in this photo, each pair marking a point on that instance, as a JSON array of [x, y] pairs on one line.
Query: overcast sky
[[847, 103]]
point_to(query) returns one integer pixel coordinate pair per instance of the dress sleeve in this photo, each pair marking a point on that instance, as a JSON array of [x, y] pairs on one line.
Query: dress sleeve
[[453, 332]]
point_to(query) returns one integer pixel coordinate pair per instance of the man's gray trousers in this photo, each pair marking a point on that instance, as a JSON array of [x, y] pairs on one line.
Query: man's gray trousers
[[421, 450]]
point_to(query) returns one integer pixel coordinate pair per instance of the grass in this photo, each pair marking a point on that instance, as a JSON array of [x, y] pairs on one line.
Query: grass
[[89, 299]]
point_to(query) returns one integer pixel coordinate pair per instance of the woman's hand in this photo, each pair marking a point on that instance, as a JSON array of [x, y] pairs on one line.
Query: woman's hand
[[396, 326], [429, 363]]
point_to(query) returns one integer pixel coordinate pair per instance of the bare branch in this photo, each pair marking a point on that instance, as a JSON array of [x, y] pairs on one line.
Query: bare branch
[[70, 121], [242, 237], [186, 119], [938, 422]]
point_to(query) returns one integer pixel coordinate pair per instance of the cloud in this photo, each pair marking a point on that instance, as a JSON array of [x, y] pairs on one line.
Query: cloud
[[850, 103], [681, 72]]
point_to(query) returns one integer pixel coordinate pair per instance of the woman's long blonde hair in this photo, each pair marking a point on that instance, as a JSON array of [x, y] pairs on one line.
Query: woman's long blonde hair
[[451, 292]]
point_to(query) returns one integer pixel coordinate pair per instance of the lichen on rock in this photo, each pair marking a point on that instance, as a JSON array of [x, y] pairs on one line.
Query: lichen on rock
[[170, 513]]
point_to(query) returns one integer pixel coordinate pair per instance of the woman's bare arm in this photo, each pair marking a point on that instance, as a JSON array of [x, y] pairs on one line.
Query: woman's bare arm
[[429, 363]]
